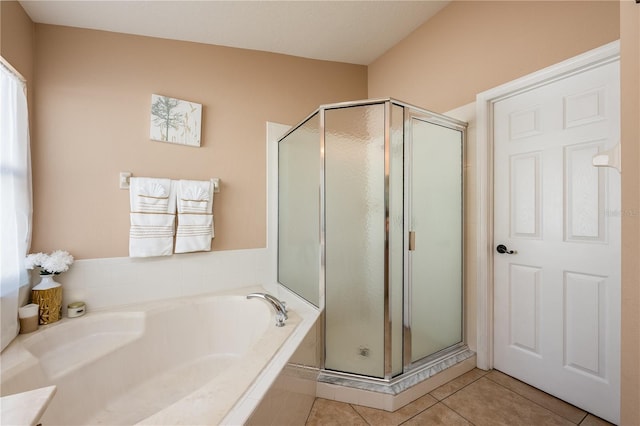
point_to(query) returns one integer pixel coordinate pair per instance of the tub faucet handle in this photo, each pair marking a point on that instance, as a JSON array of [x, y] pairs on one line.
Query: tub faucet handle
[[279, 306]]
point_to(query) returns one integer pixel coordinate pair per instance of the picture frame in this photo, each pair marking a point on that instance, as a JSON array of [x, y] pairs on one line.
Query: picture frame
[[175, 121]]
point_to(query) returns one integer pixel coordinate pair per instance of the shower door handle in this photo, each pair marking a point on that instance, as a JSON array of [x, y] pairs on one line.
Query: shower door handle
[[412, 240]]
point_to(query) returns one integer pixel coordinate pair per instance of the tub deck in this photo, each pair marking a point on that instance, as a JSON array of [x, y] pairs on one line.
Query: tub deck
[[194, 360]]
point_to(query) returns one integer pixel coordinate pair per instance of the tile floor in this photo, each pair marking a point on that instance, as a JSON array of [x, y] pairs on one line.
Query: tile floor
[[475, 398]]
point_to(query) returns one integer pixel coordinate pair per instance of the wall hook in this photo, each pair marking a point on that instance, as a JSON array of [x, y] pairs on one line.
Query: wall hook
[[609, 158]]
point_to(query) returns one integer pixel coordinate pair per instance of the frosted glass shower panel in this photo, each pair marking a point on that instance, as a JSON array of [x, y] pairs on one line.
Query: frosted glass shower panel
[[299, 210], [355, 239], [436, 219]]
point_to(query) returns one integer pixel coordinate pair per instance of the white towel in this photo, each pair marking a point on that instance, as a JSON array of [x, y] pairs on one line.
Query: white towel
[[151, 234], [194, 232], [152, 195], [195, 216], [153, 208]]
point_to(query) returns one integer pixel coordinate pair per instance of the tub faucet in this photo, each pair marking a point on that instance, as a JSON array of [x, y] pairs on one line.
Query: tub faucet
[[279, 306]]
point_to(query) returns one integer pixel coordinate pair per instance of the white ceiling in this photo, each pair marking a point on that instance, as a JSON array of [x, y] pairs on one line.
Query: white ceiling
[[355, 32]]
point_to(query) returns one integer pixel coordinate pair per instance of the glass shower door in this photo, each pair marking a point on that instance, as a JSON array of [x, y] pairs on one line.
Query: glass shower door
[[435, 239], [299, 210], [355, 239]]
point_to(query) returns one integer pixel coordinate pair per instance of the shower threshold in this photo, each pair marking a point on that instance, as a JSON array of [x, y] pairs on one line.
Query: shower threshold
[[393, 394]]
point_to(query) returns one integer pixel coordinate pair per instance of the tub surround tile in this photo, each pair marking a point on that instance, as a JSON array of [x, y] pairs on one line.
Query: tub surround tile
[[308, 353], [561, 408], [327, 413], [300, 378], [111, 282], [261, 416], [484, 402], [308, 318], [288, 401]]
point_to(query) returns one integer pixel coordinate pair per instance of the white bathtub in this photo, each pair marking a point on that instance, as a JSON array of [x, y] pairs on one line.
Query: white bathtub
[[184, 361]]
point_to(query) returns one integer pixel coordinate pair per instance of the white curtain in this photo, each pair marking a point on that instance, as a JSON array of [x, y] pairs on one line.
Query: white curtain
[[15, 198]]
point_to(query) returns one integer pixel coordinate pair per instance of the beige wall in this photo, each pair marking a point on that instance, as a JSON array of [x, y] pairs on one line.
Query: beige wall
[[92, 107], [17, 37], [93, 91], [630, 139], [17, 43], [472, 46]]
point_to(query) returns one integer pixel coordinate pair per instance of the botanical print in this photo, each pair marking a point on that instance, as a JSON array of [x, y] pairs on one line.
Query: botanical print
[[175, 121]]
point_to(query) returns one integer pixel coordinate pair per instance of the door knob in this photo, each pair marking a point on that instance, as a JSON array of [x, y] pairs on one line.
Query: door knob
[[503, 249]]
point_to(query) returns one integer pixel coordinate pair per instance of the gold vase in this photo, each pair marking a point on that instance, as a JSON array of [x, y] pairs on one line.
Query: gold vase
[[48, 295]]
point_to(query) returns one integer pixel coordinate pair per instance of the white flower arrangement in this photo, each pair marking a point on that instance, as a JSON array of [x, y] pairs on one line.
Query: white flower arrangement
[[53, 263]]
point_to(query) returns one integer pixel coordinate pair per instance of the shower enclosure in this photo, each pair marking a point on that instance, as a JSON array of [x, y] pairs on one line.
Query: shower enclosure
[[370, 230]]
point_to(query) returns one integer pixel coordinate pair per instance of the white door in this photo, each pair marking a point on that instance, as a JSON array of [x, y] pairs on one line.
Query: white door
[[557, 298]]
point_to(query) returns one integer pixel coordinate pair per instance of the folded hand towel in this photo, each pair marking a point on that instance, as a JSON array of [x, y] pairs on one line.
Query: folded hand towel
[[151, 234], [153, 208], [195, 196], [195, 218], [152, 195], [194, 233]]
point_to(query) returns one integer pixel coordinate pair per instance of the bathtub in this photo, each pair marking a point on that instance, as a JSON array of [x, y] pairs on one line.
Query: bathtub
[[184, 361]]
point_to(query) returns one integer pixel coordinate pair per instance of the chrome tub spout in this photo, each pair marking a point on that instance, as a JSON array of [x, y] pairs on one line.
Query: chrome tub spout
[[279, 306]]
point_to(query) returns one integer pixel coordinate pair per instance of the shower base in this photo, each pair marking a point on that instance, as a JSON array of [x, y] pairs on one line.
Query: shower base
[[399, 391]]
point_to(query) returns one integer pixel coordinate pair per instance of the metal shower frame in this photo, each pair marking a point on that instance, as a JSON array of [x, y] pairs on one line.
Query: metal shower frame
[[410, 112]]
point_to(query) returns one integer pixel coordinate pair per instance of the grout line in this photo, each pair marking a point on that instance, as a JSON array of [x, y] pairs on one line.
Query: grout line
[[597, 418], [420, 412], [458, 390], [417, 414], [460, 414], [358, 413], [586, 414], [430, 407], [311, 411], [468, 384], [583, 418], [523, 396], [443, 401]]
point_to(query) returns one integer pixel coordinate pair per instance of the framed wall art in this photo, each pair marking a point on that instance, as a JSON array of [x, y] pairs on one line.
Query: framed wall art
[[175, 121]]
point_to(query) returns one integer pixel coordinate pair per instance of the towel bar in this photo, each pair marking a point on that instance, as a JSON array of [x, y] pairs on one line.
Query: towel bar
[[124, 180]]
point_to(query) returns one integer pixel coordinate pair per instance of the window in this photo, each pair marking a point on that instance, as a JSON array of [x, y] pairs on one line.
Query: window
[[15, 196]]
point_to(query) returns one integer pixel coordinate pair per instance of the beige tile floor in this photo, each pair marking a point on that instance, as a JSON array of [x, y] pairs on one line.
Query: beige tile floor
[[475, 398]]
